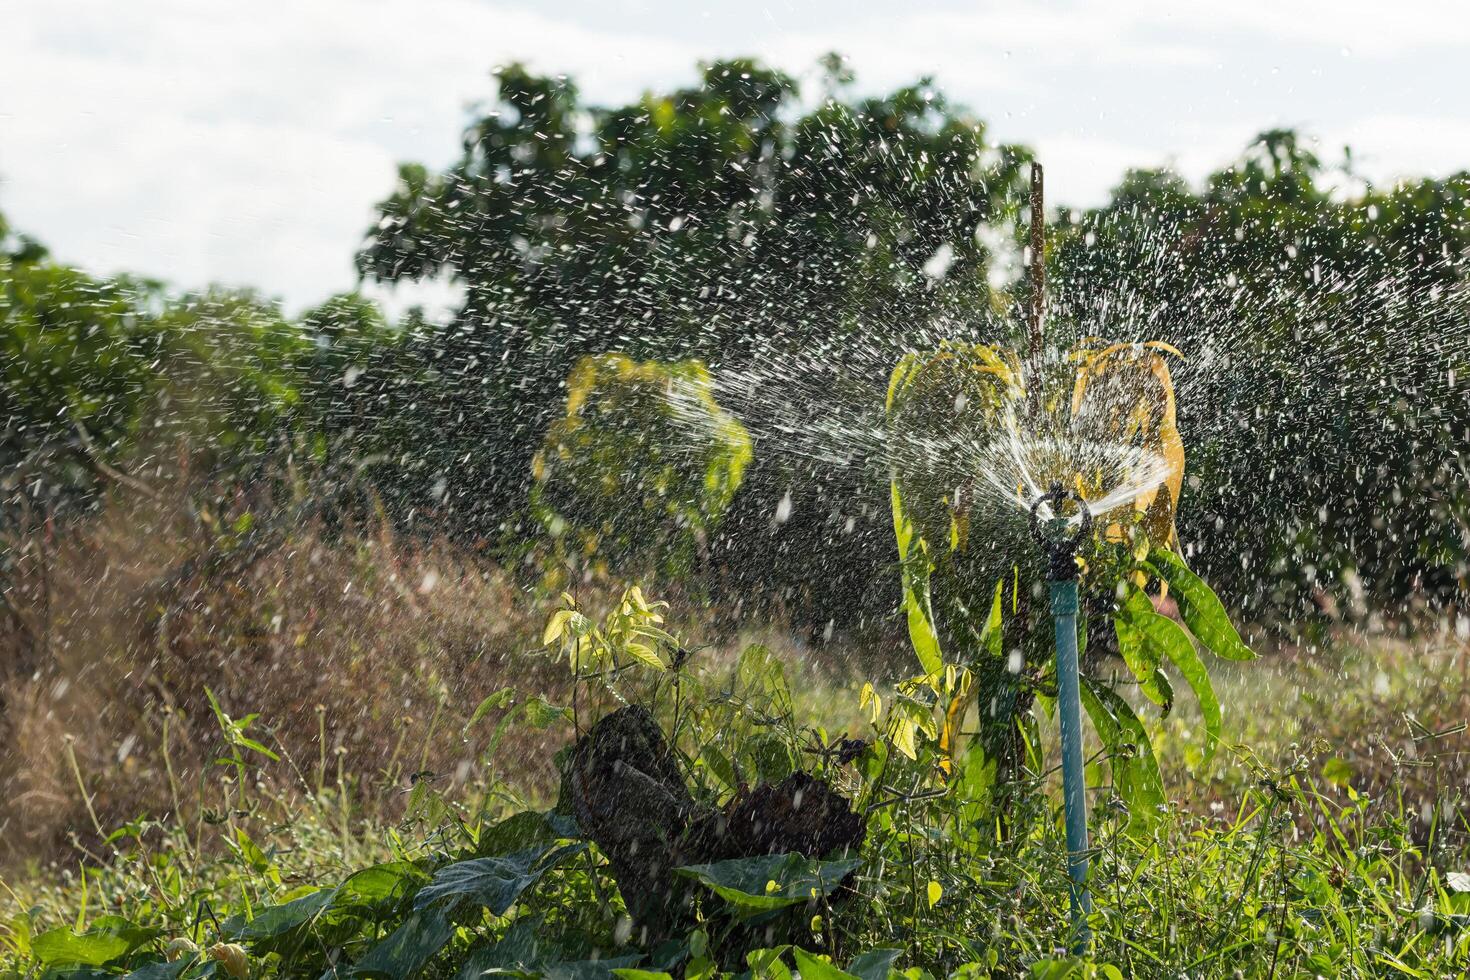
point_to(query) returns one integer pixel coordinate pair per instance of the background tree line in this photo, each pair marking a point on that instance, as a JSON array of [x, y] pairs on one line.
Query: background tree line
[[796, 242]]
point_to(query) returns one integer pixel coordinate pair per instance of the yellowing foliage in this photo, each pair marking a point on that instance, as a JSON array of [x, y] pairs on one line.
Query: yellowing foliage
[[643, 464]]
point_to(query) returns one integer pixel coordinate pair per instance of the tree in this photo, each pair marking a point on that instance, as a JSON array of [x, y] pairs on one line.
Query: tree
[[1318, 412], [722, 222]]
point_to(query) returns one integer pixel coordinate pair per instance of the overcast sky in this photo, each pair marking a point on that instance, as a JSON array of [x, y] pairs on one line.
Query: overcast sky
[[246, 142]]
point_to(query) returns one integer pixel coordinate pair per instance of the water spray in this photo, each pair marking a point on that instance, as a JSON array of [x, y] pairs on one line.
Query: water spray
[[1060, 536]]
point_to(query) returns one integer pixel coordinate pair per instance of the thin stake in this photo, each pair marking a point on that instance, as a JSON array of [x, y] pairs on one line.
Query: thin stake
[[1038, 280]]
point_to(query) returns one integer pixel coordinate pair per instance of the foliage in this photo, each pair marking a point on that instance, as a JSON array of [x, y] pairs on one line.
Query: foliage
[[1324, 423], [1303, 878], [735, 221], [965, 544], [642, 466]]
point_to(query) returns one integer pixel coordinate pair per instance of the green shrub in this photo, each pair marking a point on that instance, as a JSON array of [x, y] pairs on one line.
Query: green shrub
[[641, 467]]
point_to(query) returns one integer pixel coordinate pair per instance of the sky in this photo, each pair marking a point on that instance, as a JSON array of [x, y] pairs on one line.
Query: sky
[[204, 141]]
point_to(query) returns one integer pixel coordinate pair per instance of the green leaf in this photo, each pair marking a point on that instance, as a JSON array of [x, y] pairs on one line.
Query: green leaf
[[644, 655], [875, 964], [499, 699], [162, 970], [519, 949], [523, 830], [1337, 771], [1163, 637], [1072, 966], [993, 635], [768, 755], [1142, 659], [765, 964], [812, 967], [1199, 607], [379, 884], [1135, 770], [588, 969], [522, 952], [61, 945], [494, 882], [251, 853], [540, 713], [628, 973], [278, 919], [109, 938], [755, 885], [408, 947], [914, 560]]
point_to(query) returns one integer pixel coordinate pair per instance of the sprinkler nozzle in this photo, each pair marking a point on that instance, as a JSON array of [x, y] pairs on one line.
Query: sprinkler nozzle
[[1054, 533]]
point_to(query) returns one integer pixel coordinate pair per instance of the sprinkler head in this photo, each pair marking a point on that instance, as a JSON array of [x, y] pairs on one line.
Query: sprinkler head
[[1055, 533]]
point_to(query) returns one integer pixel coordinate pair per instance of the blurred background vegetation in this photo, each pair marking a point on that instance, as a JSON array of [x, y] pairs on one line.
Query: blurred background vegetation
[[194, 484]]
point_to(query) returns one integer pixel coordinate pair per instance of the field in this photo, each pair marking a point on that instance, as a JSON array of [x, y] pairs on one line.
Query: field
[[699, 598], [1327, 836]]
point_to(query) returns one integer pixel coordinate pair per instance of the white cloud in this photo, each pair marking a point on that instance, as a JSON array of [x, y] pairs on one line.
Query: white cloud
[[248, 142]]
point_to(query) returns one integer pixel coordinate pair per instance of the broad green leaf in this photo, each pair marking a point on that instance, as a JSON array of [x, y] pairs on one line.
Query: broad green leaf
[[109, 937], [1164, 638], [875, 964], [278, 919], [602, 969], [556, 627], [405, 951], [540, 713], [161, 970], [813, 967], [769, 756], [522, 952], [251, 853], [644, 655], [759, 884], [1135, 770], [494, 882], [766, 964], [519, 949], [1199, 607], [1142, 659], [523, 830], [378, 884], [627, 973], [914, 562]]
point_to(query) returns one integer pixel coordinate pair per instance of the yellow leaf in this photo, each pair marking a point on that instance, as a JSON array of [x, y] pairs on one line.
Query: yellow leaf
[[901, 731], [936, 892], [643, 655], [556, 628]]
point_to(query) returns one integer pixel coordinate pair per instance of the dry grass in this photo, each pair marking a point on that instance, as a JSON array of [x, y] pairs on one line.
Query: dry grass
[[360, 648]]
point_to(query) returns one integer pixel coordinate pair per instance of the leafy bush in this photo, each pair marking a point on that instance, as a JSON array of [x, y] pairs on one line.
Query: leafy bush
[[1302, 879], [973, 450], [642, 466]]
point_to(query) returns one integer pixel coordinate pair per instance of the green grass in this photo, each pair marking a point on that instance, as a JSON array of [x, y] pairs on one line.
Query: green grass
[[1323, 840]]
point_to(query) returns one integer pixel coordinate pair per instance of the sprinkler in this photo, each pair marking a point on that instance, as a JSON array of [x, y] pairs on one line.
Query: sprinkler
[[1056, 534]]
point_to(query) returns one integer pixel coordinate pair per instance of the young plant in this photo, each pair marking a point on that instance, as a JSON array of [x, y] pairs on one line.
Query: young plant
[[968, 437]]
